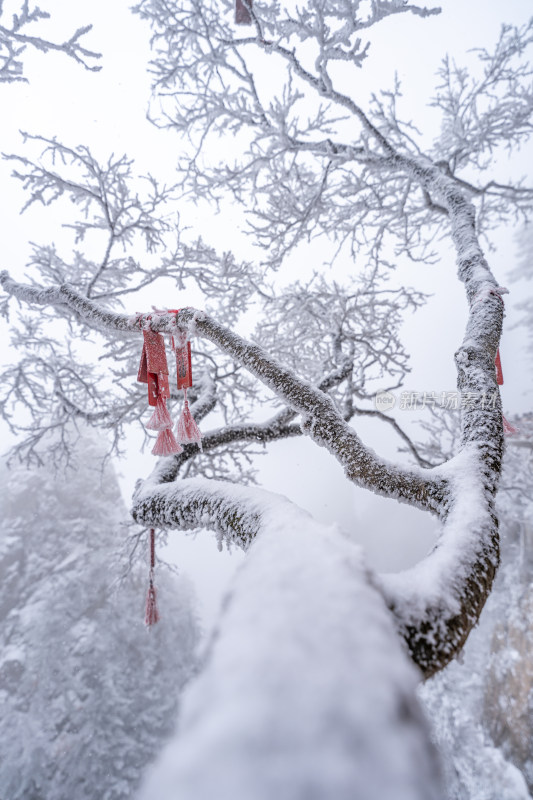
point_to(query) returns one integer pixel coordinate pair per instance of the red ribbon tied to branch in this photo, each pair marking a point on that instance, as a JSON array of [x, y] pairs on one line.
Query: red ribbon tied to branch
[[153, 370], [508, 429]]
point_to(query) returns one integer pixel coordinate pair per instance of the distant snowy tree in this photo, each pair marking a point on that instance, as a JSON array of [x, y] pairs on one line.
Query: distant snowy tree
[[87, 695], [276, 711], [481, 706]]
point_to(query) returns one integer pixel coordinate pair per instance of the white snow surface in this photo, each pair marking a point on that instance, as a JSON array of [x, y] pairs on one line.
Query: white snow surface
[[438, 580], [306, 692]]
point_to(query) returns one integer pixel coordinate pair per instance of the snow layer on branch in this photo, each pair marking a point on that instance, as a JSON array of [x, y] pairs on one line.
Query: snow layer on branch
[[306, 691], [438, 580]]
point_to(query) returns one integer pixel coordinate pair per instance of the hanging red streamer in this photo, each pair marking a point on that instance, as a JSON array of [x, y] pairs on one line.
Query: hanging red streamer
[[183, 366], [187, 430], [151, 616], [153, 370], [498, 366], [508, 428]]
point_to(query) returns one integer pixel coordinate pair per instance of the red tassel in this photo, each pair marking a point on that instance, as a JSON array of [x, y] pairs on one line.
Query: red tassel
[[509, 429], [160, 419], [186, 429], [152, 613], [166, 444], [498, 365]]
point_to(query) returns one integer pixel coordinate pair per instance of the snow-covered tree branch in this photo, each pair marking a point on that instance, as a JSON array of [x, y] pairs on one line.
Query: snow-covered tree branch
[[385, 150], [312, 157]]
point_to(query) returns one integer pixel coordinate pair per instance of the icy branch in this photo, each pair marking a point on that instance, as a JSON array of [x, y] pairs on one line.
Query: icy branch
[[198, 503], [438, 601]]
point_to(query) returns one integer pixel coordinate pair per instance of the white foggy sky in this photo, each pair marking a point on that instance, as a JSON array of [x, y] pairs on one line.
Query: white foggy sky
[[107, 112]]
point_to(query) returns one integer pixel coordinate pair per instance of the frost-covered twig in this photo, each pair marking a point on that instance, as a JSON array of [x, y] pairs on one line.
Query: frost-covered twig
[[376, 414], [329, 165], [14, 39]]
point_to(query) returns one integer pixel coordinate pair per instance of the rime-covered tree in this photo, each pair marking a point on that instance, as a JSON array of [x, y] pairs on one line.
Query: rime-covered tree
[[313, 158], [88, 697]]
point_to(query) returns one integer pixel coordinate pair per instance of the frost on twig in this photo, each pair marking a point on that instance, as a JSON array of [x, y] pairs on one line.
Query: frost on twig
[[18, 34], [313, 159], [342, 335]]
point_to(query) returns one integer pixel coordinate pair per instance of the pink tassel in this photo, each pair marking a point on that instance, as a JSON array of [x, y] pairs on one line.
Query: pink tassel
[[509, 429], [160, 419], [166, 444], [152, 613], [186, 429]]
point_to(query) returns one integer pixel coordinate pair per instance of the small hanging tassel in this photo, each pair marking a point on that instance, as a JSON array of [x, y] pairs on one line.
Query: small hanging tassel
[[183, 366], [160, 419], [166, 444], [509, 429], [152, 613], [186, 428]]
